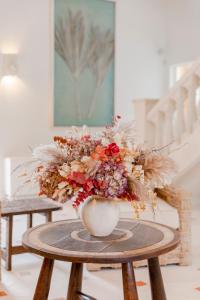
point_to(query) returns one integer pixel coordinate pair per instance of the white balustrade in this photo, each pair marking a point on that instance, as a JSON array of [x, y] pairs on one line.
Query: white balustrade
[[175, 115], [168, 125], [191, 113], [159, 128], [179, 124]]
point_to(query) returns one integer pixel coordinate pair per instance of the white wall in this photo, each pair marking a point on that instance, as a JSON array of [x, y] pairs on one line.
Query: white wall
[[183, 31], [140, 35], [25, 28]]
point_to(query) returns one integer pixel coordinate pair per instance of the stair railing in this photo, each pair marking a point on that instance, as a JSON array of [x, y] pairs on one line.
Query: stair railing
[[170, 120]]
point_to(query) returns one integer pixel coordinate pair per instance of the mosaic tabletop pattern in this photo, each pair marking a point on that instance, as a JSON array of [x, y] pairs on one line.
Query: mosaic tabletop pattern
[[69, 239]]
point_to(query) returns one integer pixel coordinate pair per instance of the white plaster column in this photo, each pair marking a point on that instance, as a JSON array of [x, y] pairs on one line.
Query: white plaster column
[[180, 121], [191, 113], [168, 125], [158, 128]]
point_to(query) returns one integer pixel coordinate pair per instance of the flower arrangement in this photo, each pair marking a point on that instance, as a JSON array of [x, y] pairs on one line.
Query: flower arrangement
[[108, 164]]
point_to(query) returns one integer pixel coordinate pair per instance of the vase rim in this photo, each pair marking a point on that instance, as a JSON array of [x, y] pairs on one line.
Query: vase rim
[[101, 198]]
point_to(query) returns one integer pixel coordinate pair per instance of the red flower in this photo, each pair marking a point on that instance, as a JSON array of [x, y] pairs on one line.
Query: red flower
[[81, 198], [112, 149], [78, 177], [88, 186], [102, 184]]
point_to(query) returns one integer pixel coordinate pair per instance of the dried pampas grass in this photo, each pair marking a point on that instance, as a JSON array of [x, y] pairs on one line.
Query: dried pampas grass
[[173, 195], [158, 169], [50, 154], [136, 187]]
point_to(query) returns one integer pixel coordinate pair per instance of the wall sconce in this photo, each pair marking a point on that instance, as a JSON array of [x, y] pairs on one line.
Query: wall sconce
[[9, 68]]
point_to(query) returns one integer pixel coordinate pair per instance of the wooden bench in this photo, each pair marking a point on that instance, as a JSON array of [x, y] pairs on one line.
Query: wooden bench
[[27, 207]]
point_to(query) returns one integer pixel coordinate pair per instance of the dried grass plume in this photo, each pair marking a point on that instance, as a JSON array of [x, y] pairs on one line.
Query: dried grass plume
[[158, 169]]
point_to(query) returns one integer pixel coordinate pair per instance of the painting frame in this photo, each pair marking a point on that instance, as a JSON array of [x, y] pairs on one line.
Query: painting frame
[[52, 65]]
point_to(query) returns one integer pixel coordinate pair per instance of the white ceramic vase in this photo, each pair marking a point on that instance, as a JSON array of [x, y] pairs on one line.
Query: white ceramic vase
[[99, 215]]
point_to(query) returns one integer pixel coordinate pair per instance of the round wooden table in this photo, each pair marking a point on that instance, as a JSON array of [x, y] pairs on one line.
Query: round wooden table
[[132, 240]]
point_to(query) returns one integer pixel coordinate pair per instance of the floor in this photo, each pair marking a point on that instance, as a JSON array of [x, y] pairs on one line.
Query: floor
[[181, 283]]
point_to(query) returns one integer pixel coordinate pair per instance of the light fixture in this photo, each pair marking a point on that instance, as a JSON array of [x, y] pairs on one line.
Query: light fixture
[[9, 69], [9, 64]]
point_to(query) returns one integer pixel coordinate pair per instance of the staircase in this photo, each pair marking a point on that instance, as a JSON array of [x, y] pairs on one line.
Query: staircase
[[173, 123]]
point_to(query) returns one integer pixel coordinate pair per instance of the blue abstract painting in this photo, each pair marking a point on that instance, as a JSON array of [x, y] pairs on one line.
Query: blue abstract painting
[[84, 42]]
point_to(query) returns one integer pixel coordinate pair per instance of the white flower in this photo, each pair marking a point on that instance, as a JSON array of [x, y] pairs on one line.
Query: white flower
[[90, 165], [138, 168], [64, 170], [69, 190], [76, 166], [129, 167], [104, 141], [85, 130], [117, 175], [62, 185], [85, 159], [129, 158]]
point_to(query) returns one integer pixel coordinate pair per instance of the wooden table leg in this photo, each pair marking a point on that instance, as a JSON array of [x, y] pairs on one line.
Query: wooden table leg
[[29, 221], [75, 281], [157, 286], [9, 233], [49, 216], [44, 280], [129, 284]]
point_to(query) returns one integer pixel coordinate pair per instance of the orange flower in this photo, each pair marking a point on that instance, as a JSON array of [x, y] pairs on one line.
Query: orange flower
[[60, 140], [99, 154], [123, 152], [118, 159]]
